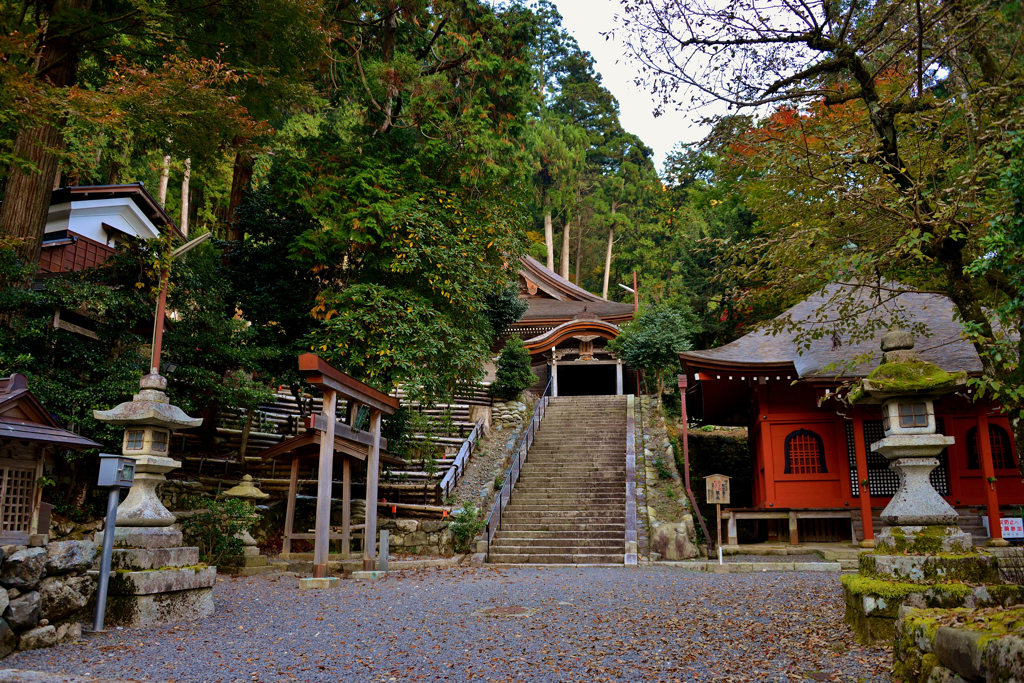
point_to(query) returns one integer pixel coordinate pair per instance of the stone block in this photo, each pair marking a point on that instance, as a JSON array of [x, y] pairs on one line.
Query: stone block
[[407, 525], [69, 632], [158, 609], [38, 638], [973, 568], [5, 599], [740, 567], [478, 559], [817, 567], [144, 537], [310, 583], [432, 526], [923, 540], [418, 538], [8, 641], [63, 596], [960, 650], [244, 561], [24, 611], [157, 581], [775, 566], [23, 569], [65, 557], [673, 542], [368, 576], [153, 558]]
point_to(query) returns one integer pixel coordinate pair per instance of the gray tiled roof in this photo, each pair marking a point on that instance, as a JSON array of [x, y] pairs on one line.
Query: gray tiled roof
[[945, 346]]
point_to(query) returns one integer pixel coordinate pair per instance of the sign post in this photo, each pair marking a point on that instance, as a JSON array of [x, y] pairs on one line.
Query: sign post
[[116, 473], [718, 493]]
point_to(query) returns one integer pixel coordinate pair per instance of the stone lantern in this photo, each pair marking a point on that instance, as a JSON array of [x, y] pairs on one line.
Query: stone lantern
[[907, 388], [158, 581], [250, 562], [149, 418]]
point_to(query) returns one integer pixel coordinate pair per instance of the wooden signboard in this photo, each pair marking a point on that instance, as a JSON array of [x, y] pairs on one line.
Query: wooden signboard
[[718, 493], [717, 489]]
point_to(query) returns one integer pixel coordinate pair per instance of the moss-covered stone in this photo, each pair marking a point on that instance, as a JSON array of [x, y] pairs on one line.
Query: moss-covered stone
[[931, 569], [912, 376], [923, 540]]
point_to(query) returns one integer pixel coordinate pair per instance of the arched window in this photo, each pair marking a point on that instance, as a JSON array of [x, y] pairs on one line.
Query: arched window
[[1002, 452], [805, 453]]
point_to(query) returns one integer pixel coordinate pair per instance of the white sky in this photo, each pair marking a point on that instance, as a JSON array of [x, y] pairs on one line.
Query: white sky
[[586, 19]]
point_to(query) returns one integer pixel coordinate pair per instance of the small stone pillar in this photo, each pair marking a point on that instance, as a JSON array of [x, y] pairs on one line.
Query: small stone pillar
[[156, 580], [250, 562], [920, 545]]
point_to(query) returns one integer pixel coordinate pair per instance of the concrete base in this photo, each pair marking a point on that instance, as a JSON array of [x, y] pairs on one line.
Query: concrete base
[[867, 543], [997, 543], [326, 582], [169, 580], [368, 576], [158, 609]]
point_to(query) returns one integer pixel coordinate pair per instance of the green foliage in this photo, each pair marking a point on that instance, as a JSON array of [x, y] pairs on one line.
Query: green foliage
[[504, 307], [215, 526], [514, 372], [661, 467], [652, 342], [499, 481], [466, 525], [396, 429], [914, 375]]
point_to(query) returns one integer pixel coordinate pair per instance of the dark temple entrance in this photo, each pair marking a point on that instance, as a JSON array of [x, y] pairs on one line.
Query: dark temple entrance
[[586, 380]]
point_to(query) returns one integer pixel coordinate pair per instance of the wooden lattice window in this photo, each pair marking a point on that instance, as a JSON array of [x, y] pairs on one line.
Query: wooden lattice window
[[134, 440], [999, 441], [805, 453], [17, 493]]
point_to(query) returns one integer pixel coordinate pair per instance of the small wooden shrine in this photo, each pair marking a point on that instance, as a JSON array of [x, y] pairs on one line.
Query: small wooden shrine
[[29, 438], [811, 462], [326, 439]]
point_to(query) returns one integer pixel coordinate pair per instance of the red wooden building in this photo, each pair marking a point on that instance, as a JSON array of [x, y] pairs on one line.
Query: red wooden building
[[809, 451]]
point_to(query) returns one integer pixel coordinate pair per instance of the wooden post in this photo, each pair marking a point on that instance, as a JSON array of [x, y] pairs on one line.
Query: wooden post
[[618, 377], [860, 449], [793, 526], [325, 474], [554, 373], [372, 472], [346, 507], [718, 527], [995, 529], [289, 515]]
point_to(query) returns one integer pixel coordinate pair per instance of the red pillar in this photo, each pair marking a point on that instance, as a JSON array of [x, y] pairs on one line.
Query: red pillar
[[989, 470], [862, 474]]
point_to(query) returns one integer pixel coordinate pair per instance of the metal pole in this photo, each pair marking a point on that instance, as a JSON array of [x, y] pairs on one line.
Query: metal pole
[[108, 550], [385, 548]]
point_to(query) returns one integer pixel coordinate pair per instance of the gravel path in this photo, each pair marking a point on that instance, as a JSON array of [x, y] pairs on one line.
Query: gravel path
[[592, 624]]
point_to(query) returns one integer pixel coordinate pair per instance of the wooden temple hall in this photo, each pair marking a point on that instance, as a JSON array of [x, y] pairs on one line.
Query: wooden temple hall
[[809, 452], [566, 329], [331, 441]]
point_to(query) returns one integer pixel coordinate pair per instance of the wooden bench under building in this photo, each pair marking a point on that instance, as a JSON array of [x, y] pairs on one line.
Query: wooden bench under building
[[731, 516]]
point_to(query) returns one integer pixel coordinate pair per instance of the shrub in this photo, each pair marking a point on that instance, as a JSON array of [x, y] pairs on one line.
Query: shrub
[[467, 523], [514, 373], [215, 526], [499, 481], [653, 340]]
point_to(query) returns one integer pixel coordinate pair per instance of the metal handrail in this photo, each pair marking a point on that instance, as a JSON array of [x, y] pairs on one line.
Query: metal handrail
[[458, 468], [522, 450]]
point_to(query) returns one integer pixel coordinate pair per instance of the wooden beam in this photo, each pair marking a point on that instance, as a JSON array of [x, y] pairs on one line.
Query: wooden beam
[[861, 454], [372, 473], [289, 515], [344, 431], [325, 479], [346, 507], [320, 373]]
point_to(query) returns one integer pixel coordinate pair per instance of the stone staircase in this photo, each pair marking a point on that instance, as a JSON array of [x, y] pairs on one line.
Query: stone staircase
[[569, 506]]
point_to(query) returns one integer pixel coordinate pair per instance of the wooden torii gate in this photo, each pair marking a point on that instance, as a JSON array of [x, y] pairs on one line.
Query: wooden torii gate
[[332, 383]]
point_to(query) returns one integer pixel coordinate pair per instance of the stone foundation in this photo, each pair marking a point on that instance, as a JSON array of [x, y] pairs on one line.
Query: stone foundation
[[158, 609], [418, 537]]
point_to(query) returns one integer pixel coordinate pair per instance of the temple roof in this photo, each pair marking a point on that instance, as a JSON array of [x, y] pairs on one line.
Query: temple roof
[[761, 350], [567, 330], [555, 299]]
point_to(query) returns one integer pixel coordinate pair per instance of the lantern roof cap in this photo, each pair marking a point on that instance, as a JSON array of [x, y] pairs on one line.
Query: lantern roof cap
[[149, 407]]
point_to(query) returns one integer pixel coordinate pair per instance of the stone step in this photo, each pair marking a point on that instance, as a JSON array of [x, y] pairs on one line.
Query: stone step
[[548, 525], [557, 535], [551, 545], [535, 509], [579, 558]]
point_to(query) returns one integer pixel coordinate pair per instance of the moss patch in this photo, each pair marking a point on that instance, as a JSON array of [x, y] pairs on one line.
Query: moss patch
[[913, 376], [928, 541]]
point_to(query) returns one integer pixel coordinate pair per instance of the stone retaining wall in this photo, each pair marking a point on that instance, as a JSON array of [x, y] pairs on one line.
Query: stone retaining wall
[[44, 594], [418, 537]]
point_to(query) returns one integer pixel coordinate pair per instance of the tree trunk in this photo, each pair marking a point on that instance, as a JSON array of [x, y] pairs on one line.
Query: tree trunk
[[183, 223], [608, 263], [249, 412], [165, 174], [27, 194], [579, 249], [549, 239], [241, 177], [28, 190], [563, 268]]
